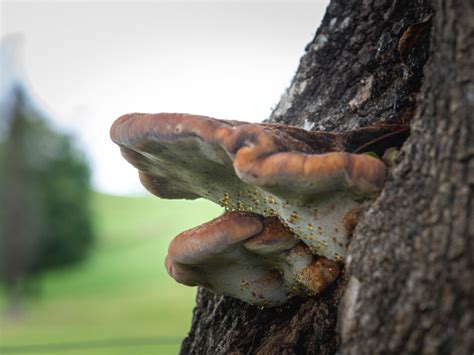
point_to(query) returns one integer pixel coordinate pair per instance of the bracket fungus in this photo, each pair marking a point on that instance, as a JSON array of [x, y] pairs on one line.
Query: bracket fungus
[[290, 198]]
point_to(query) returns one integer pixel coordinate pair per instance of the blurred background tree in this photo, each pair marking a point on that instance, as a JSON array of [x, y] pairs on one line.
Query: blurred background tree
[[45, 221]]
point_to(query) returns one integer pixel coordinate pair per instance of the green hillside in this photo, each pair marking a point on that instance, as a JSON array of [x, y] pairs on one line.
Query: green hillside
[[120, 300]]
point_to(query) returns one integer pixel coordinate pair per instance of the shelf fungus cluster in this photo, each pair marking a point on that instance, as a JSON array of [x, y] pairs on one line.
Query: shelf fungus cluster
[[291, 198]]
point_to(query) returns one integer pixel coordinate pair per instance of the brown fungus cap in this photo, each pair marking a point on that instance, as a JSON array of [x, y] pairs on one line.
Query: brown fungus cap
[[270, 156], [274, 238], [243, 255], [215, 238], [308, 179]]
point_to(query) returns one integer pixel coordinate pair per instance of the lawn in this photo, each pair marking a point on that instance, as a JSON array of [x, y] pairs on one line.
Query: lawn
[[120, 300]]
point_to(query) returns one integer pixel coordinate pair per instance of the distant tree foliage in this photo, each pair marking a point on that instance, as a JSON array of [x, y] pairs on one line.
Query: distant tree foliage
[[45, 221]]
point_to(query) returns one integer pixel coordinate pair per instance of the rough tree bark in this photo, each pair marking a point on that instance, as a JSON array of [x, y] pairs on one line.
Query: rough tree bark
[[408, 285]]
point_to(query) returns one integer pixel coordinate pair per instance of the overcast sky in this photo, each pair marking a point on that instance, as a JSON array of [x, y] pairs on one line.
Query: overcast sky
[[89, 62]]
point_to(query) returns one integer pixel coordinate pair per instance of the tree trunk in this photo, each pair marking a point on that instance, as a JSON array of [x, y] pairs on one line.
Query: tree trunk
[[408, 284]]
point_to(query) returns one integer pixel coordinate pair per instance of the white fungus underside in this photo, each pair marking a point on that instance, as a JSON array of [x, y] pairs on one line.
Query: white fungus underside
[[208, 172]]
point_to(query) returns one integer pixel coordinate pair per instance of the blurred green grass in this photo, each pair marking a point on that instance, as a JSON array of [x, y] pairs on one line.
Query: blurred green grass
[[122, 290]]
